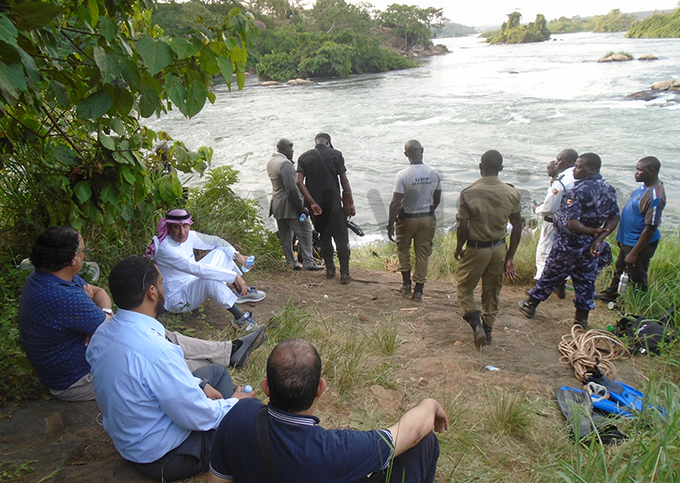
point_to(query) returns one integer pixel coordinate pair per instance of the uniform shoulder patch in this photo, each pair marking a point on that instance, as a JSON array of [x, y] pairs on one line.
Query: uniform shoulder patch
[[555, 191], [569, 201]]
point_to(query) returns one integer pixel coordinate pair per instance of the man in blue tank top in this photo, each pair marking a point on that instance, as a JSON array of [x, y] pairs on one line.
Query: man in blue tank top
[[638, 234]]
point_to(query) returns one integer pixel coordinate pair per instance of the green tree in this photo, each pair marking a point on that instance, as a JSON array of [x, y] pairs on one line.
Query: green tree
[[414, 24], [76, 78], [512, 32]]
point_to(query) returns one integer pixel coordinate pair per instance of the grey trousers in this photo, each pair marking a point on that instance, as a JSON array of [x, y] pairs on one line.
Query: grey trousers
[[303, 230]]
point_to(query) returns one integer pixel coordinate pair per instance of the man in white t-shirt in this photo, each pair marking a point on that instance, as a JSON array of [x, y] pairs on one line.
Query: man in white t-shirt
[[417, 193]]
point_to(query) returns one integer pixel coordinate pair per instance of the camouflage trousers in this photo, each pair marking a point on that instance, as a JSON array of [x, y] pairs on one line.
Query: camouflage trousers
[[576, 263]]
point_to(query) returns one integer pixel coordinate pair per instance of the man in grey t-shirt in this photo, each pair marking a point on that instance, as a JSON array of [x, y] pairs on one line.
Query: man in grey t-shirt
[[417, 193]]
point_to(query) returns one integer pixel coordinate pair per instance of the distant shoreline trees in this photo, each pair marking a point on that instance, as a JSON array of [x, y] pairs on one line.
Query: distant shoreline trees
[[657, 26], [614, 21], [333, 38]]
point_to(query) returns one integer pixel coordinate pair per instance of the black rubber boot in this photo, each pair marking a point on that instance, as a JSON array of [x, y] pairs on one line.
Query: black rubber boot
[[475, 321], [406, 285], [528, 306], [581, 318], [344, 272], [418, 292], [487, 330]]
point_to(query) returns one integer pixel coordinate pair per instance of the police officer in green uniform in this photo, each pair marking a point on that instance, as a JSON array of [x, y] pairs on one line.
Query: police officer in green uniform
[[483, 213]]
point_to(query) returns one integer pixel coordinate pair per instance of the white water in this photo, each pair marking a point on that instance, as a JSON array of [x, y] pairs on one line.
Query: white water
[[527, 101]]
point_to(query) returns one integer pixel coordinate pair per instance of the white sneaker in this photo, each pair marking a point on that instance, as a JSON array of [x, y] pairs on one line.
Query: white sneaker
[[253, 295], [246, 322]]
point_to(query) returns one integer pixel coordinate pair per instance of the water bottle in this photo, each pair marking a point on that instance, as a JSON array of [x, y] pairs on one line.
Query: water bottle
[[623, 283], [250, 261], [303, 217]]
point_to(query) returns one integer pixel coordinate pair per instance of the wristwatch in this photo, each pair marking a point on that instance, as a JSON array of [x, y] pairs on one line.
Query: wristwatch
[[108, 311]]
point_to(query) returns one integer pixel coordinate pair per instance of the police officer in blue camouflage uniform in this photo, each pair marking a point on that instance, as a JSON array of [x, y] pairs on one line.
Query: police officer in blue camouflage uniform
[[579, 233]]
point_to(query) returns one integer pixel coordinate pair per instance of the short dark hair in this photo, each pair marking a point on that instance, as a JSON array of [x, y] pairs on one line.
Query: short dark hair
[[652, 162], [591, 160], [130, 279], [293, 375], [492, 161], [55, 248], [571, 155]]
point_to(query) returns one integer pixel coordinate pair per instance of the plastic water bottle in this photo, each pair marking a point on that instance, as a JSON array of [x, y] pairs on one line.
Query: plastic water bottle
[[623, 283], [250, 261], [303, 218]]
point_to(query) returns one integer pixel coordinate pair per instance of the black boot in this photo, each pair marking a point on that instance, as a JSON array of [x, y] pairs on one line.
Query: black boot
[[418, 292], [406, 285], [474, 319], [581, 318], [561, 290], [487, 330], [528, 306], [344, 272]]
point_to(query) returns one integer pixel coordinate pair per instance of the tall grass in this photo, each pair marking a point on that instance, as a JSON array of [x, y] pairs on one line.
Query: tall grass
[[442, 264]]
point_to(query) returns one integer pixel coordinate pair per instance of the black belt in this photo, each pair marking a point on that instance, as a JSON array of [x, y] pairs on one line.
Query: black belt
[[548, 219], [481, 244], [417, 215]]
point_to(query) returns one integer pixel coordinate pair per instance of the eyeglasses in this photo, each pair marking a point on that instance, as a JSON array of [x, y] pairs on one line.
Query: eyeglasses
[[86, 251]]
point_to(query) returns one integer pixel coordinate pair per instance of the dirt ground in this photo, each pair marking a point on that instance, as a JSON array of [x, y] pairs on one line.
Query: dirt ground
[[65, 443]]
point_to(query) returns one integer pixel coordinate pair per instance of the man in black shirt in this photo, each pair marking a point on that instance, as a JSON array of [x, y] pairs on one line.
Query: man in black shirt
[[318, 172]]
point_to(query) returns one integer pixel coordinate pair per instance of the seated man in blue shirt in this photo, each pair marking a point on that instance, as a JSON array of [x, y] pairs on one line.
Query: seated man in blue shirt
[[302, 451], [160, 416], [59, 312]]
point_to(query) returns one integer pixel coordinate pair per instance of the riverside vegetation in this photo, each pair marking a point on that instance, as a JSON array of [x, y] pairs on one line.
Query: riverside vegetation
[[333, 38], [657, 25]]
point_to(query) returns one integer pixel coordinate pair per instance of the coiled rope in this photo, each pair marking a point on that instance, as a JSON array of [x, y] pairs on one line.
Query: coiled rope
[[391, 264], [588, 350]]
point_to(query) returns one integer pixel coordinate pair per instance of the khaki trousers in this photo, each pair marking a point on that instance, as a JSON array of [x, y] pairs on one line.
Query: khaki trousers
[[421, 232], [197, 353], [487, 264]]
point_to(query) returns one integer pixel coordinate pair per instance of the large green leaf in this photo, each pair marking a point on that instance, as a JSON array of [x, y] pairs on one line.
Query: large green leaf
[[109, 195], [83, 191], [196, 97], [184, 48], [128, 175], [109, 64], [93, 7], [107, 28], [11, 81], [156, 54], [8, 32], [149, 101], [34, 15], [107, 141], [226, 68], [176, 91], [94, 105], [65, 155]]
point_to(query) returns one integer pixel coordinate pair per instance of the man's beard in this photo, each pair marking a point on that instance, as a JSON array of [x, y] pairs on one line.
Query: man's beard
[[160, 305]]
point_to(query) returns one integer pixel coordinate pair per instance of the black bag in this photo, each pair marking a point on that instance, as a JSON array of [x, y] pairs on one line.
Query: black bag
[[646, 335]]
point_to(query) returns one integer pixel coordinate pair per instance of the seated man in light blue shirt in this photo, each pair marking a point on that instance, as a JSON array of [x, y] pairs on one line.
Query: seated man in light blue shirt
[[160, 416]]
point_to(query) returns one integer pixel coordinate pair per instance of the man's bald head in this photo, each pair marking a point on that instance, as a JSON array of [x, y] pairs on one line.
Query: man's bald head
[[414, 151], [293, 375], [566, 159], [285, 147]]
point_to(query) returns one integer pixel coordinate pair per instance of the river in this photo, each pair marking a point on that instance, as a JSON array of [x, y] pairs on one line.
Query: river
[[527, 101]]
